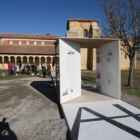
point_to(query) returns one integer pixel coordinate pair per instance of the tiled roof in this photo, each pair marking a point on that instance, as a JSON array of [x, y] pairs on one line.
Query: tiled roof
[[81, 20], [29, 36], [11, 49]]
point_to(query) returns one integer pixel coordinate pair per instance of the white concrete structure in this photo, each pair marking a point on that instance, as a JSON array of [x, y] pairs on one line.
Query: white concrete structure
[[108, 66], [94, 116], [103, 120]]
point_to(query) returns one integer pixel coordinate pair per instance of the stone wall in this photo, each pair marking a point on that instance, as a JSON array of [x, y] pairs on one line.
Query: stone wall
[[124, 61], [88, 62], [88, 56], [76, 29]]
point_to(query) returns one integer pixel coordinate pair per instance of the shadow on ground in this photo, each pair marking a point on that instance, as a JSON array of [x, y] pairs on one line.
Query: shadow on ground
[[47, 89], [90, 88], [5, 132]]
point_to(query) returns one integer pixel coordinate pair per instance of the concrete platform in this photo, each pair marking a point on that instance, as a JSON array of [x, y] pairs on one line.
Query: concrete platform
[[89, 94], [94, 116]]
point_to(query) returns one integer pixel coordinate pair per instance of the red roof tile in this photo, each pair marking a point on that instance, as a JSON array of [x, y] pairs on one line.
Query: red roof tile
[[11, 49], [29, 36]]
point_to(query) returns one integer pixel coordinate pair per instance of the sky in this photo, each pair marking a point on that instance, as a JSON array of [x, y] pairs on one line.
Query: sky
[[45, 16]]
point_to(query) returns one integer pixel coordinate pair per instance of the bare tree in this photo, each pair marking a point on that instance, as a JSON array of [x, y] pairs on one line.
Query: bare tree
[[122, 18]]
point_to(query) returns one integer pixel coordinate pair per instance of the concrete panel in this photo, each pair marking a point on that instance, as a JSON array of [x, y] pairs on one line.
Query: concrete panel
[[108, 69], [70, 70]]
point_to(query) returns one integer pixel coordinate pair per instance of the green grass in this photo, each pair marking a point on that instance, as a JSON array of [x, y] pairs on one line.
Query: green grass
[[12, 76], [88, 77], [135, 90]]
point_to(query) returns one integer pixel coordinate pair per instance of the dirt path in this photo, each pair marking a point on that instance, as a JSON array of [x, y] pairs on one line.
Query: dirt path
[[31, 111]]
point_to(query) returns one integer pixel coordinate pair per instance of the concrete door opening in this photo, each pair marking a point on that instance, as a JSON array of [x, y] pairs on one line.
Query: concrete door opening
[[107, 68]]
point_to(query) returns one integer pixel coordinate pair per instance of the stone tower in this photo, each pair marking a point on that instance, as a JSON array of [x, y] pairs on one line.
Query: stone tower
[[85, 28]]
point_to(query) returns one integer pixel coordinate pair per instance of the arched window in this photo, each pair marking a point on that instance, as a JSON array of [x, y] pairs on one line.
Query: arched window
[[85, 33]]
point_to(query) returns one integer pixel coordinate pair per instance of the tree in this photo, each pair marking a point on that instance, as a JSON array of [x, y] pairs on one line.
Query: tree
[[122, 18]]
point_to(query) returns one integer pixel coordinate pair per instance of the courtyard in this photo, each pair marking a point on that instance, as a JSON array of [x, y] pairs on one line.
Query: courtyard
[[29, 110]]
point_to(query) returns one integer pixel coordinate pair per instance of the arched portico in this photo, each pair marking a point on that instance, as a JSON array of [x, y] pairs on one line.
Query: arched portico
[[29, 59], [56, 60], [12, 59], [0, 60], [42, 60], [36, 60], [6, 59], [48, 60], [24, 59]]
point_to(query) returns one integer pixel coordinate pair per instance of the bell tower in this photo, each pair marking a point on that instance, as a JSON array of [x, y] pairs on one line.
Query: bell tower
[[83, 28], [88, 28]]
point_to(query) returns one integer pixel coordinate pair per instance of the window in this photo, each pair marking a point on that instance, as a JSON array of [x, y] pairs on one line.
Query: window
[[35, 43], [43, 43], [20, 43], [11, 42], [85, 33]]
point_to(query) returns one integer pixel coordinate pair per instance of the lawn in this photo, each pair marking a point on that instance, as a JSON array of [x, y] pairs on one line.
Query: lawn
[[6, 77], [136, 81], [88, 77]]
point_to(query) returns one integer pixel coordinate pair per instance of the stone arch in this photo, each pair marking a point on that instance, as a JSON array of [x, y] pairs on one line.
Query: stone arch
[[56, 60], [12, 58], [42, 60], [0, 60], [19, 61], [48, 60], [36, 60], [31, 60], [24, 59], [1, 65], [6, 59]]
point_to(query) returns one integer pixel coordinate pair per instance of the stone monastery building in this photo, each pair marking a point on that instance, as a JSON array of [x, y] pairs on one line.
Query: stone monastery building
[[81, 28], [39, 49], [27, 48]]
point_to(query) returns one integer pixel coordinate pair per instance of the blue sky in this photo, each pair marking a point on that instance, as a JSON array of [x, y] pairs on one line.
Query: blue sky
[[45, 16]]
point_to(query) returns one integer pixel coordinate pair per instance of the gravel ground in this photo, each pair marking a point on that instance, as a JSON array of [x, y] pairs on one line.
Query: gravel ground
[[31, 110], [133, 100]]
